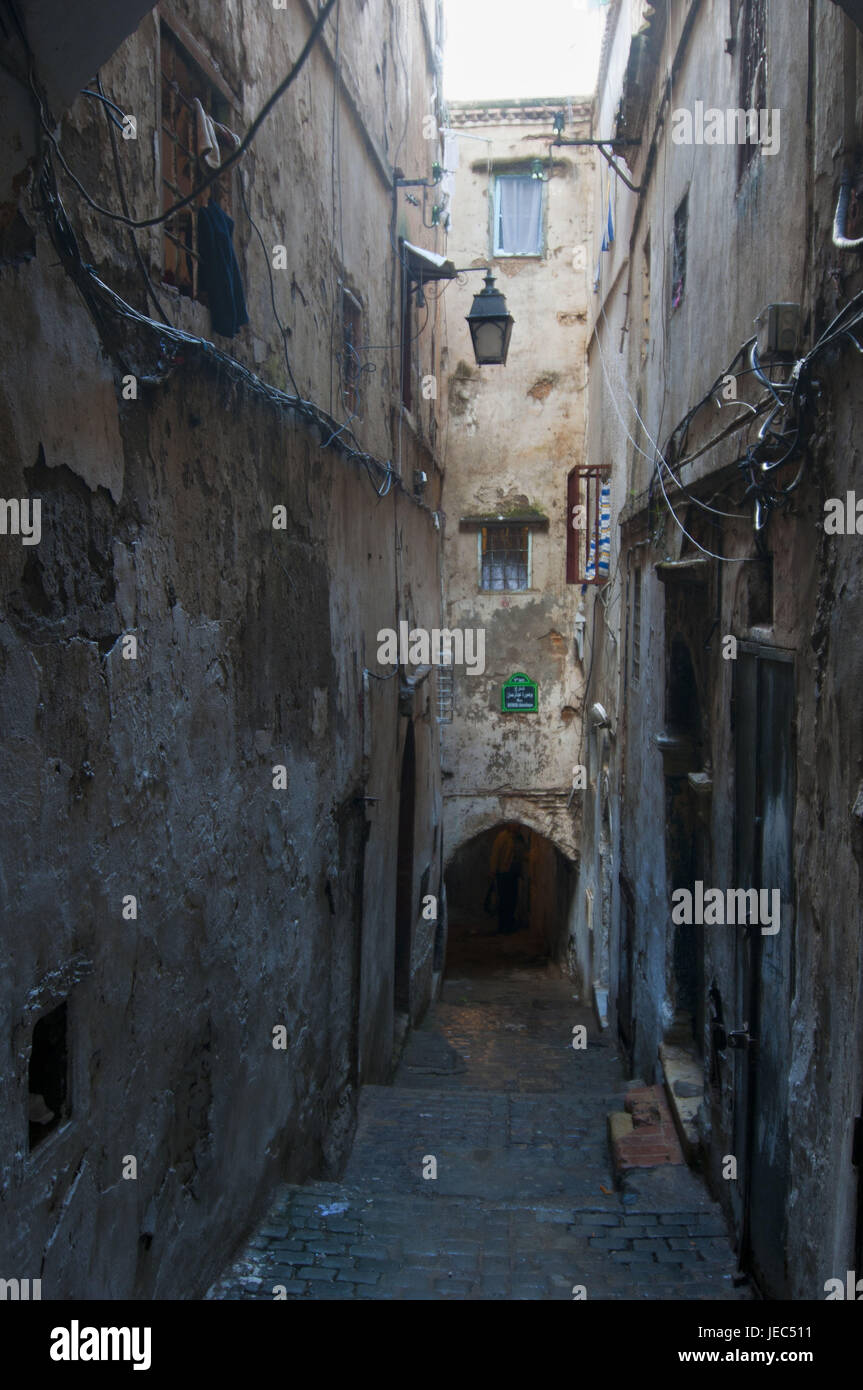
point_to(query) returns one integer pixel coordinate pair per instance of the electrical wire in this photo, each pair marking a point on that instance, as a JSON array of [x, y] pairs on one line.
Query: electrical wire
[[149, 287], [285, 332], [100, 96], [140, 223], [659, 458], [105, 306]]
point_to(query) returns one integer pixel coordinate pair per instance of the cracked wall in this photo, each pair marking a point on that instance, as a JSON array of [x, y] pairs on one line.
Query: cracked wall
[[152, 777]]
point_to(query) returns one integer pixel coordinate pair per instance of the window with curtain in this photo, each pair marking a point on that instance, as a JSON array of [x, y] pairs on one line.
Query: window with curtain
[[517, 215]]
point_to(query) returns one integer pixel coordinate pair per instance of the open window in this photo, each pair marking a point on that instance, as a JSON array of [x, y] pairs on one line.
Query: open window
[[588, 535], [183, 83], [518, 209]]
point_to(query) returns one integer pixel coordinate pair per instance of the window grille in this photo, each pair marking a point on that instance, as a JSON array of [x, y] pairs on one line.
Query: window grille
[[753, 77], [678, 251], [504, 557], [445, 686], [352, 334]]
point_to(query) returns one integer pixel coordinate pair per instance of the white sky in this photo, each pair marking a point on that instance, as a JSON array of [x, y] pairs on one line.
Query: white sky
[[521, 48]]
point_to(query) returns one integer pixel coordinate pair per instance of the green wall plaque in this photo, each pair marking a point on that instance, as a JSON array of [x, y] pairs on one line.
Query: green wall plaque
[[519, 695]]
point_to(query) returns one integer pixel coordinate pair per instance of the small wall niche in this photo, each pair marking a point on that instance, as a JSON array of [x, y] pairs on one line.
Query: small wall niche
[[48, 1075]]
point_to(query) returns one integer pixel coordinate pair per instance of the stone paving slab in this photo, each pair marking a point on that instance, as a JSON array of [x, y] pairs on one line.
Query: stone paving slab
[[523, 1206]]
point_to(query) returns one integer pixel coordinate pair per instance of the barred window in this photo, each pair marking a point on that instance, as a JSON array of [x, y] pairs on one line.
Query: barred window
[[678, 251], [352, 337], [753, 75], [445, 687], [504, 557]]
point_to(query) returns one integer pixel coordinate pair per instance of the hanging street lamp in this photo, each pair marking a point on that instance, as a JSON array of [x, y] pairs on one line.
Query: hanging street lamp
[[490, 324]]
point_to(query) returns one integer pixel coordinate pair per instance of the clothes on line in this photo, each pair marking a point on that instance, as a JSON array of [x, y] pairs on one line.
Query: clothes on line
[[218, 271]]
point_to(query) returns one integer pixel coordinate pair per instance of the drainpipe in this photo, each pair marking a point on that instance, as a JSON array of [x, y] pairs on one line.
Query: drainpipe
[[839, 237], [840, 240]]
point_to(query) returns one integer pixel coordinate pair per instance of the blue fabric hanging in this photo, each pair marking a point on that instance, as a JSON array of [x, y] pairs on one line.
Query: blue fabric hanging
[[218, 271], [608, 234]]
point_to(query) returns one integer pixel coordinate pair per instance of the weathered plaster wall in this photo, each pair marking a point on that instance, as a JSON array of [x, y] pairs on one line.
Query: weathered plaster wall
[[515, 432], [153, 777], [748, 244]]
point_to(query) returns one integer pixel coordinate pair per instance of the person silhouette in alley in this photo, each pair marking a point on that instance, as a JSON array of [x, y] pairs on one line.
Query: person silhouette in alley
[[506, 865]]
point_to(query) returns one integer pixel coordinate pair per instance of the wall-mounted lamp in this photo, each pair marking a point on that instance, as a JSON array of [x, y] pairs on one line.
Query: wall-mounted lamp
[[490, 324], [599, 716], [536, 171]]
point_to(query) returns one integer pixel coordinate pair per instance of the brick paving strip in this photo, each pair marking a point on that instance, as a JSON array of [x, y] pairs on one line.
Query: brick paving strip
[[524, 1205]]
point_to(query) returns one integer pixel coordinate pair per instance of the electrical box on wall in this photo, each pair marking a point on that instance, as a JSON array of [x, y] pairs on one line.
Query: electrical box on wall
[[778, 331]]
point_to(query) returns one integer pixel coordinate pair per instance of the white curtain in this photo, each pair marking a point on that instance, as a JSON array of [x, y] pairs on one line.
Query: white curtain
[[519, 216]]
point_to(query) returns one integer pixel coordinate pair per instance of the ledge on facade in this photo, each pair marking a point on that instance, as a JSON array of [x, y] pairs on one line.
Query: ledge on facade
[[521, 516], [684, 1087], [517, 110], [641, 66]]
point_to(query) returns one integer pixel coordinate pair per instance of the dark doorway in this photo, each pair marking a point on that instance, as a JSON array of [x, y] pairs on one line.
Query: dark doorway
[[497, 921], [625, 1017], [404, 878], [685, 847], [764, 748]]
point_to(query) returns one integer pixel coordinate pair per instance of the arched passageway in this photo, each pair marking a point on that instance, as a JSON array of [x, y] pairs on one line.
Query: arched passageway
[[509, 896]]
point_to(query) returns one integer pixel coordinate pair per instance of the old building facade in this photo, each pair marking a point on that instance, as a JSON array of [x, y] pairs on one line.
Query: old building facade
[[224, 812], [515, 435], [724, 645]]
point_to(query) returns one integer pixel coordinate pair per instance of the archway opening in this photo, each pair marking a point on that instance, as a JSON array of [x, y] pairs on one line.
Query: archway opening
[[509, 898]]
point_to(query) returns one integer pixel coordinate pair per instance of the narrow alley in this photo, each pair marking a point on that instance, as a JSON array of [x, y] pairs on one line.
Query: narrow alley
[[431, 588], [524, 1204]]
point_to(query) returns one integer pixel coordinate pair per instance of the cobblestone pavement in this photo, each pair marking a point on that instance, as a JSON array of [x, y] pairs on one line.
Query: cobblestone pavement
[[523, 1205]]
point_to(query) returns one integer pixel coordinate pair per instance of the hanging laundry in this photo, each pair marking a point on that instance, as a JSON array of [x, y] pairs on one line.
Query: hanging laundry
[[210, 135], [604, 530], [218, 271], [598, 564], [608, 235]]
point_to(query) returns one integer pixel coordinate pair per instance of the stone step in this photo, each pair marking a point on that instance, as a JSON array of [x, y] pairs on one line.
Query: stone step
[[643, 1135]]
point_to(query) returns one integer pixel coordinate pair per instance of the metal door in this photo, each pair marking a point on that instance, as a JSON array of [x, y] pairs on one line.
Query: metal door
[[764, 747]]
